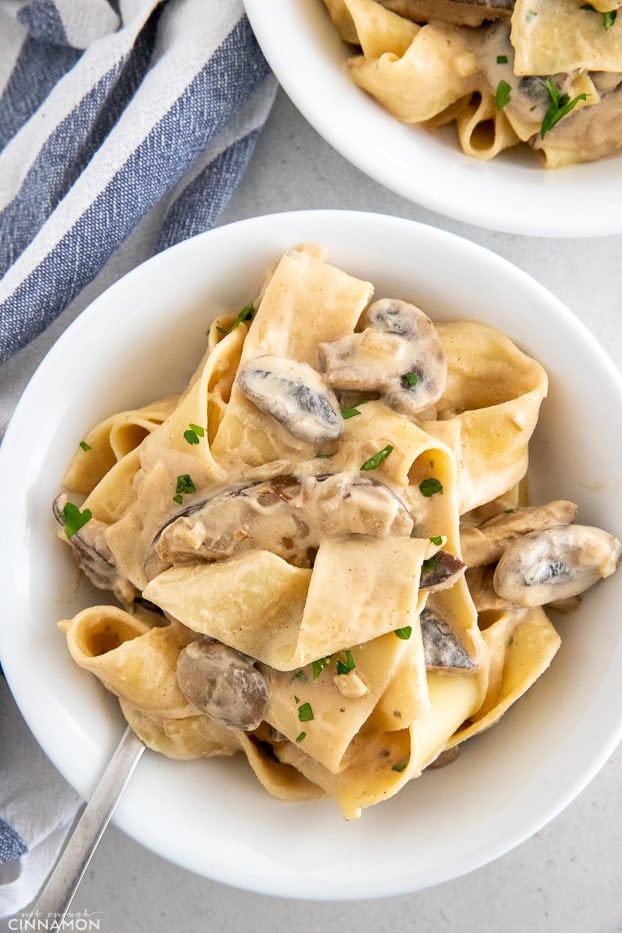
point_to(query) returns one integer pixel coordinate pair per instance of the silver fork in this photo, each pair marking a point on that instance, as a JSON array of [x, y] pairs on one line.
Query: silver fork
[[57, 893]]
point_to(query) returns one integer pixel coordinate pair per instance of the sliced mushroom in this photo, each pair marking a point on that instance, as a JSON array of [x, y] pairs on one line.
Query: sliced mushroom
[[441, 571], [459, 12], [486, 542], [94, 557], [441, 648], [591, 132], [223, 683], [287, 515], [554, 564], [295, 395], [398, 354]]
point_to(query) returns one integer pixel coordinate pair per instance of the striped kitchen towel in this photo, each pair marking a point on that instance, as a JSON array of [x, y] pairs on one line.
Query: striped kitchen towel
[[112, 111]]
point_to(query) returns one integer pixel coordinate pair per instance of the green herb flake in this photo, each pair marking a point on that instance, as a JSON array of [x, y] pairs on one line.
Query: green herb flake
[[74, 518], [559, 106], [430, 564], [305, 712], [319, 664], [348, 665], [399, 766], [502, 59], [430, 487], [178, 499], [85, 446], [503, 95], [374, 462], [609, 19], [437, 539], [410, 379], [244, 315], [191, 436], [352, 412], [404, 633], [301, 736], [185, 485]]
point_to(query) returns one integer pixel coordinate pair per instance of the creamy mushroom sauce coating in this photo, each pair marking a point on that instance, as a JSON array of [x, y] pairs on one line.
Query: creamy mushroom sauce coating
[[546, 74], [318, 548]]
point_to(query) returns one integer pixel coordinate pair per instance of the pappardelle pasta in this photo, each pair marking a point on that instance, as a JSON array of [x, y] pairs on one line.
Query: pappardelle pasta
[[321, 550], [545, 73]]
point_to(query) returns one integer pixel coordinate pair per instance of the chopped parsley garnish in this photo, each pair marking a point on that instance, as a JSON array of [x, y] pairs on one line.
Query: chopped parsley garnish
[[559, 106], [301, 736], [430, 487], [85, 446], [244, 315], [319, 664], [399, 766], [183, 488], [404, 633], [609, 18], [410, 379], [352, 412], [305, 712], [429, 564], [436, 539], [348, 665], [74, 518], [502, 59], [194, 432], [349, 413], [503, 95], [374, 462]]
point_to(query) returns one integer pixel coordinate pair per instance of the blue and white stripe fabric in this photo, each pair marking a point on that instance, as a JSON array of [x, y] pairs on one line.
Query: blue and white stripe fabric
[[108, 111]]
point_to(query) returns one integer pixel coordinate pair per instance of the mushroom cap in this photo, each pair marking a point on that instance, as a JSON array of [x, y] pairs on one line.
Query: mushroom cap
[[556, 563], [294, 394], [223, 683], [288, 515], [398, 354]]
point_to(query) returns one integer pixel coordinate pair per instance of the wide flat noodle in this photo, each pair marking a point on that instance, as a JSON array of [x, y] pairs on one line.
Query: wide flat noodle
[[193, 736], [279, 779], [376, 769], [522, 644], [338, 718], [489, 409], [439, 67], [374, 28], [556, 36], [288, 617], [483, 130], [135, 662], [110, 441]]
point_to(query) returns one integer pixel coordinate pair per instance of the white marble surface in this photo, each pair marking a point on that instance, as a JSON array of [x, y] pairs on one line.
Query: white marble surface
[[566, 879]]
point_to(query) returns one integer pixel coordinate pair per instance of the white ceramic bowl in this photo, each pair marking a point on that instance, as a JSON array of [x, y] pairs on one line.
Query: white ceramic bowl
[[512, 193], [141, 340]]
